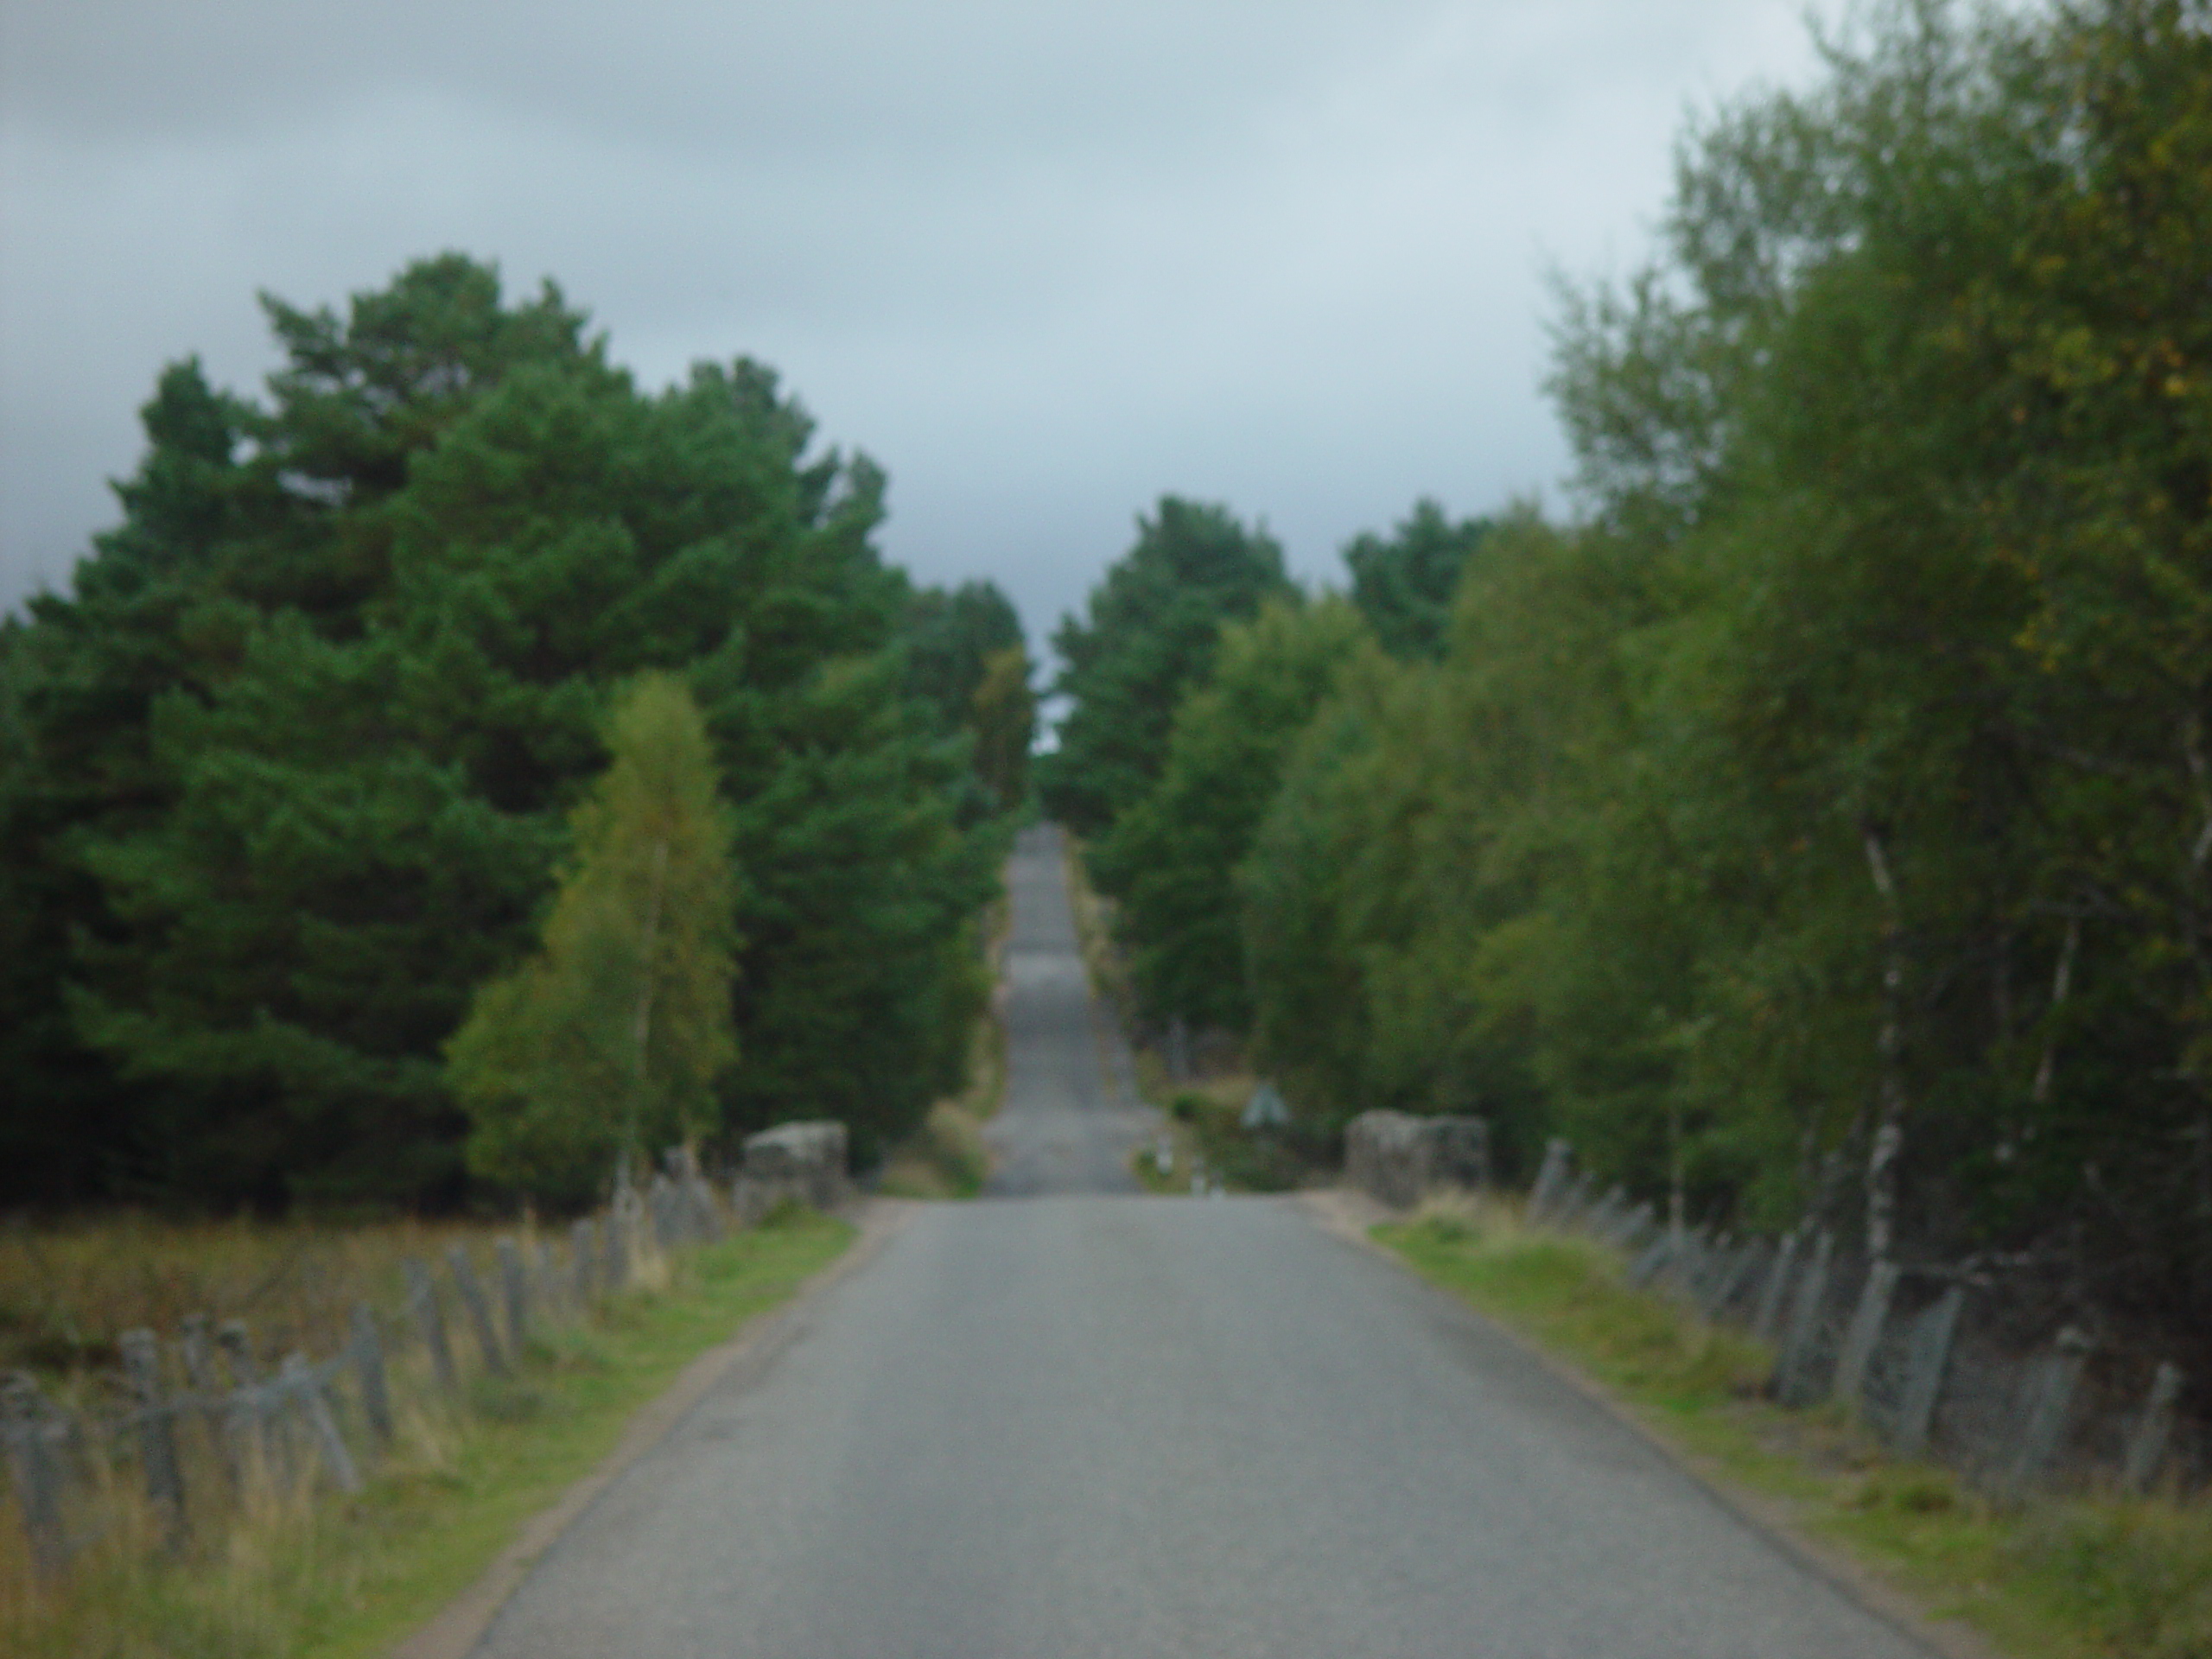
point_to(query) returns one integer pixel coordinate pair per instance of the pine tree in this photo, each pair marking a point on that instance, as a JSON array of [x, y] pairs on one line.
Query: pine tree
[[609, 1039]]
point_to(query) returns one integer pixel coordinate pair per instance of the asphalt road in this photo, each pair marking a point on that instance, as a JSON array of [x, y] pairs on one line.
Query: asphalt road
[[1071, 1117], [1083, 1424]]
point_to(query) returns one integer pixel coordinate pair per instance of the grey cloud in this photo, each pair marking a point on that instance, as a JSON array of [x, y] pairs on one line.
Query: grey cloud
[[1042, 261]]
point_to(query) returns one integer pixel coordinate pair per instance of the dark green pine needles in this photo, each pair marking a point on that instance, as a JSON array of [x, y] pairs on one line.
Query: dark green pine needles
[[287, 775]]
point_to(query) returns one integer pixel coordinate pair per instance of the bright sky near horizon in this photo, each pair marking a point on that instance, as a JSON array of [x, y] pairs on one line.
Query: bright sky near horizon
[[1043, 262]]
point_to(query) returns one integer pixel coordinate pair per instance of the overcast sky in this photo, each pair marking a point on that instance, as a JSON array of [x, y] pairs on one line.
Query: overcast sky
[[1043, 262]]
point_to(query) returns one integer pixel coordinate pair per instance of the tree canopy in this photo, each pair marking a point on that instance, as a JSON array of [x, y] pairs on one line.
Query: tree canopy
[[1818, 826], [1171, 856], [608, 1041], [290, 767], [1151, 631], [1403, 582]]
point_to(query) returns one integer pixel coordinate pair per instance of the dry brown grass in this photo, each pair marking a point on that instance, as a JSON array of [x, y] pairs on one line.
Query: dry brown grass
[[68, 1292]]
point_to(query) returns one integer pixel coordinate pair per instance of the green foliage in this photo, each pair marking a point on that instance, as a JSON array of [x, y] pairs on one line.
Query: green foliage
[[1153, 627], [950, 640], [610, 1039], [291, 764], [1395, 952], [1821, 825], [966, 659], [1172, 855], [1003, 712], [1403, 584]]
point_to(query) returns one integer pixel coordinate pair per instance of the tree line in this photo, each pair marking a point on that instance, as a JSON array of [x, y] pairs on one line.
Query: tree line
[[1819, 822], [291, 775]]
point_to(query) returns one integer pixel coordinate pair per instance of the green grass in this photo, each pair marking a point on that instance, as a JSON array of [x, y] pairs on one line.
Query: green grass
[[342, 1579], [2078, 1577]]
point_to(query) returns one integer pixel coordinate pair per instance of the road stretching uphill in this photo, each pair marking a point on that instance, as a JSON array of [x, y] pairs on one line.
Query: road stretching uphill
[[1075, 1421]]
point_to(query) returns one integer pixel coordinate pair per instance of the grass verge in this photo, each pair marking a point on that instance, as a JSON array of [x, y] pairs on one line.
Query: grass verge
[[2072, 1577], [346, 1579]]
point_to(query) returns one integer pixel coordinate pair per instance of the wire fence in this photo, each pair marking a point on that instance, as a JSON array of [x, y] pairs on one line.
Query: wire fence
[[1954, 1362], [201, 1425]]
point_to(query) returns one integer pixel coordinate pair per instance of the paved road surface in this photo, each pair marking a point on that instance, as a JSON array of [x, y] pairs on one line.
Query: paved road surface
[[1089, 1424], [1071, 1117]]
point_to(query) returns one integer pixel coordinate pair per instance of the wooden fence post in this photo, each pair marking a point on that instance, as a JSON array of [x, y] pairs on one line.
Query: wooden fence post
[[1727, 1281], [236, 1343], [1924, 1382], [2047, 1405], [1572, 1201], [1790, 1386], [479, 1312], [583, 1246], [368, 1367], [618, 1248], [547, 1279], [157, 1430], [299, 1381], [1652, 1259], [1604, 1215], [514, 1289], [1866, 1331], [1775, 1287], [1629, 1236], [200, 1372], [1549, 1174], [261, 1443], [660, 1197], [28, 1432], [423, 1303], [2146, 1441]]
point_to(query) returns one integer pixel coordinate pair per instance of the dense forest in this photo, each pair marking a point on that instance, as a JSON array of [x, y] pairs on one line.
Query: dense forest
[[291, 773], [1819, 821]]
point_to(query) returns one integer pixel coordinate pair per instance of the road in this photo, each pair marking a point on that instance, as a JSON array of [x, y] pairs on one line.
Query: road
[[1070, 1116], [1089, 1423]]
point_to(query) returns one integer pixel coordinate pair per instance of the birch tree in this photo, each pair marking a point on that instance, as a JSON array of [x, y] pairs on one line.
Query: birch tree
[[608, 1041]]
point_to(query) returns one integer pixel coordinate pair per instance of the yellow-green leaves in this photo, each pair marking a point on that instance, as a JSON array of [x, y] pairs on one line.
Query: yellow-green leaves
[[611, 1036]]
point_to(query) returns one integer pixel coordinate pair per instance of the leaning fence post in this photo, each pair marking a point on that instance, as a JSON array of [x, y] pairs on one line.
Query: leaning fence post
[[661, 1198], [1630, 1234], [237, 1344], [583, 1245], [142, 1368], [479, 1312], [2146, 1441], [1598, 1221], [1804, 1325], [1775, 1287], [298, 1379], [1728, 1292], [2050, 1405], [1924, 1382], [36, 1472], [200, 1372], [423, 1303], [1550, 1173], [514, 1287], [1572, 1201], [368, 1367], [617, 1276], [1864, 1331], [1646, 1267], [717, 1223], [547, 1279], [263, 1448], [1688, 1264]]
